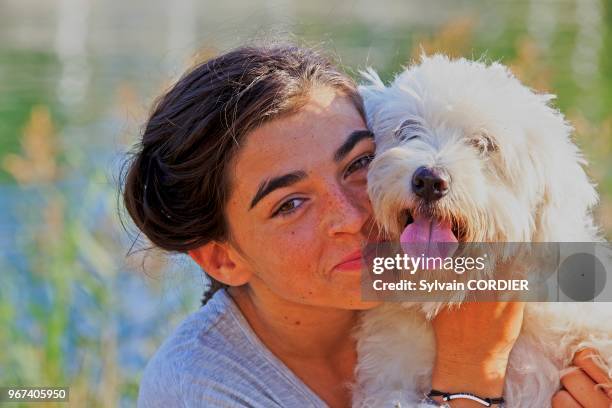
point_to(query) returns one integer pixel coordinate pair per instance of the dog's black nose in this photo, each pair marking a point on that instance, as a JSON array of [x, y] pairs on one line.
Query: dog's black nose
[[429, 184]]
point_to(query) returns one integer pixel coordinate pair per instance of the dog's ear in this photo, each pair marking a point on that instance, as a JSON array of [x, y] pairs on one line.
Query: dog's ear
[[565, 211], [373, 94], [372, 78]]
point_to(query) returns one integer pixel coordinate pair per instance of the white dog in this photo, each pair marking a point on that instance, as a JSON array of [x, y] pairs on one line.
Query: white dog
[[465, 151]]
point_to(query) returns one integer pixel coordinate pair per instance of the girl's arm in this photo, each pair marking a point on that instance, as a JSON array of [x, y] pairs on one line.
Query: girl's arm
[[473, 344]]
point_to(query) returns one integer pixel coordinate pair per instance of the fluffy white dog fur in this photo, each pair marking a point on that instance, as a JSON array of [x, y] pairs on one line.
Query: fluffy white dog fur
[[516, 176]]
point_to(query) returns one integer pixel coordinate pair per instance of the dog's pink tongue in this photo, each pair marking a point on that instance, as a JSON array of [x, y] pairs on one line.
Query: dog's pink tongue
[[428, 236]]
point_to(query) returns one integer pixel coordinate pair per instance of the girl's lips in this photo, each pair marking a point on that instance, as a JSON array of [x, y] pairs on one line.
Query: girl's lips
[[352, 261], [357, 260]]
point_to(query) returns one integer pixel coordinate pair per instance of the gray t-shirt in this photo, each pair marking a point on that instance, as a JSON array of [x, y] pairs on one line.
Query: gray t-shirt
[[214, 359]]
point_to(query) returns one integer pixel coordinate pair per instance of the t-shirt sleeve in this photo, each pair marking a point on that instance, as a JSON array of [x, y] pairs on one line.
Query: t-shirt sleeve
[[200, 382], [159, 386]]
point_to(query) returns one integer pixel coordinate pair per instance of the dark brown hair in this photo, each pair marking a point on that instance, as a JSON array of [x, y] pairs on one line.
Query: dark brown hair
[[176, 184]]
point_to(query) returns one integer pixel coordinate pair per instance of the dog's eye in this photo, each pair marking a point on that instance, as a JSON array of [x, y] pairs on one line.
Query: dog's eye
[[408, 130], [483, 142], [405, 138]]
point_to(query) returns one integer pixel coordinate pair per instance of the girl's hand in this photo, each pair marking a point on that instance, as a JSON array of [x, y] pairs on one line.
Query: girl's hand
[[473, 344], [581, 388]]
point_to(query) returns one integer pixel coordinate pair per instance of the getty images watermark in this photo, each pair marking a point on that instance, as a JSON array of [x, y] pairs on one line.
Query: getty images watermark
[[539, 272]]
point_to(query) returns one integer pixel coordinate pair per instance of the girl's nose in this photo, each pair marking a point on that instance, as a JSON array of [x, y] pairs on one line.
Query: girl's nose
[[348, 211]]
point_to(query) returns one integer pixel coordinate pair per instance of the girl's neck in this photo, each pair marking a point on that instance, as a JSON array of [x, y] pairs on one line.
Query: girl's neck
[[296, 330], [313, 342]]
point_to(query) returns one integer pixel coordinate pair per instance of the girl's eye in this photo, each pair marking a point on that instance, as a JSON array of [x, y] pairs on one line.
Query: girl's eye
[[289, 206], [360, 163]]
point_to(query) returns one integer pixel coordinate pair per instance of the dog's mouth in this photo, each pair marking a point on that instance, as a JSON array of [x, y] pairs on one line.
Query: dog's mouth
[[430, 228]]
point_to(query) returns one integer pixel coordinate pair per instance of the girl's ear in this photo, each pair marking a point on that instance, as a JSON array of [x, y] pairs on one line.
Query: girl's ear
[[223, 263]]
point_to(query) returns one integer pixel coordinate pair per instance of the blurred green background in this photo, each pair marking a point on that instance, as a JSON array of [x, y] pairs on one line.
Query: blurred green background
[[76, 80]]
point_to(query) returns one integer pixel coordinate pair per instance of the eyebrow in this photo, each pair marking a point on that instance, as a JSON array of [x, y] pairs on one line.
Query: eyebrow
[[350, 142], [267, 186]]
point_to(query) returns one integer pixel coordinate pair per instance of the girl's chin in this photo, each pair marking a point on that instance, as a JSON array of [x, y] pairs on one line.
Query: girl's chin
[[348, 300], [355, 303], [367, 305]]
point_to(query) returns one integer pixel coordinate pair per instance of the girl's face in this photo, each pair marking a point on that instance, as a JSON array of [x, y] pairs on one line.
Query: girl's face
[[298, 210]]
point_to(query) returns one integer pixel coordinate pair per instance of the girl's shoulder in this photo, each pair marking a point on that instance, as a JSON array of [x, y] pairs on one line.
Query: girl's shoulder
[[214, 358]]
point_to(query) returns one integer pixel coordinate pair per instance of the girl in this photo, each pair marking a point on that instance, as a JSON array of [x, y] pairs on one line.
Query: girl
[[254, 163]]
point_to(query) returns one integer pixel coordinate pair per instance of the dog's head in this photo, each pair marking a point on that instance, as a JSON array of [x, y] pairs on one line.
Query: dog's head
[[468, 148]]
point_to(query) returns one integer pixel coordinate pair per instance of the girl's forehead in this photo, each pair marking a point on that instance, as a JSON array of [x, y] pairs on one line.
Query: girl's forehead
[[322, 97], [320, 124], [298, 141]]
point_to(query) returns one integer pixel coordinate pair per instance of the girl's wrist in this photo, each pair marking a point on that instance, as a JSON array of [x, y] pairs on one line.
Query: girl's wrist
[[484, 378]]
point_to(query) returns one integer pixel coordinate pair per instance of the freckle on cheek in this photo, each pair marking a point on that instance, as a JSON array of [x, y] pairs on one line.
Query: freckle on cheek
[[297, 322]]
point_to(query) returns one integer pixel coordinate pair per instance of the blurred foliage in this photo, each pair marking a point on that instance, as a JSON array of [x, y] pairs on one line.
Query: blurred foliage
[[17, 101], [63, 313], [38, 164]]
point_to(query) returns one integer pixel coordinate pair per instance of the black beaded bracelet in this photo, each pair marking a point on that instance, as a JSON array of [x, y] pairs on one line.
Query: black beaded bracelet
[[446, 396]]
